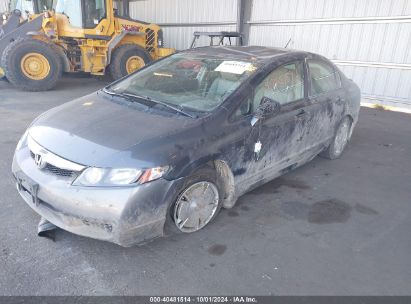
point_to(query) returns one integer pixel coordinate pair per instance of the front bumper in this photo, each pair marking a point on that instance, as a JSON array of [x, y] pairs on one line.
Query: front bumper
[[122, 215]]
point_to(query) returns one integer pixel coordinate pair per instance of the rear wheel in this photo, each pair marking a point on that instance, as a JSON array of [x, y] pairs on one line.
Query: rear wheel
[[127, 59], [32, 65], [340, 140]]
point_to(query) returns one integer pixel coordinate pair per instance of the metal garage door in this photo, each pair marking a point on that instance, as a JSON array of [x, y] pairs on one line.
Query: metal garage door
[[369, 39], [3, 6], [181, 18]]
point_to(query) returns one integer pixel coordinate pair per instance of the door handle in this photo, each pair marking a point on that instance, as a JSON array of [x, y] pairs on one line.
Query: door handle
[[301, 114], [340, 100]]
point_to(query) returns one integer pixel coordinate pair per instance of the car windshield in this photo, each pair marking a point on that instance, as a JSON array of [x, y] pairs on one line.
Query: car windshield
[[196, 83]]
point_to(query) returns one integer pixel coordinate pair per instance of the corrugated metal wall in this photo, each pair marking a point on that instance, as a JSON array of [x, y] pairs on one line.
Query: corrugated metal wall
[[3, 6], [180, 18], [369, 39]]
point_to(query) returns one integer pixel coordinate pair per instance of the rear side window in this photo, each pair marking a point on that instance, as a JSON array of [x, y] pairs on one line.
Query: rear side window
[[323, 77]]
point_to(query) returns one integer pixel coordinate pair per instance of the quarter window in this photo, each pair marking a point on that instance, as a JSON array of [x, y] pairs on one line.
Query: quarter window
[[323, 78]]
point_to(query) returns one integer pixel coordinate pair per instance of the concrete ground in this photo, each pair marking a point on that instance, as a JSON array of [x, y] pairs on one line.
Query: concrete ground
[[329, 228]]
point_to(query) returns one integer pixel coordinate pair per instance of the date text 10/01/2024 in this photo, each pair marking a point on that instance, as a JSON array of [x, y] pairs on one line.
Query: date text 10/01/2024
[[201, 299]]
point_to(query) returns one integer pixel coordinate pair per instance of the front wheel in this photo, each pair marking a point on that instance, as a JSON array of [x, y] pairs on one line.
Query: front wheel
[[32, 65], [340, 140], [198, 203]]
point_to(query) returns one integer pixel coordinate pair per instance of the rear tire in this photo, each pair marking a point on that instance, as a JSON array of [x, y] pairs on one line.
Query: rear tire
[[127, 59], [32, 65], [339, 141]]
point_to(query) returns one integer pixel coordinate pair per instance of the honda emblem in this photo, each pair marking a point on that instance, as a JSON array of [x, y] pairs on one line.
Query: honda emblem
[[38, 160]]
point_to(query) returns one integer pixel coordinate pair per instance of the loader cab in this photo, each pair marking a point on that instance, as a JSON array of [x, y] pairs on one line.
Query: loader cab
[[83, 14]]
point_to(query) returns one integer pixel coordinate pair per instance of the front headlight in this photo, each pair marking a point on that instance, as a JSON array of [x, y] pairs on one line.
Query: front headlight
[[23, 141], [102, 177]]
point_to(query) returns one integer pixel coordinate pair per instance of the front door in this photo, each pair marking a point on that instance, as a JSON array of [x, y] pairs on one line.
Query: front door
[[272, 145]]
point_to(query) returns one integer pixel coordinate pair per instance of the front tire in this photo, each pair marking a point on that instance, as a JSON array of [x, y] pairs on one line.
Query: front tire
[[127, 59], [198, 203], [340, 140], [32, 65]]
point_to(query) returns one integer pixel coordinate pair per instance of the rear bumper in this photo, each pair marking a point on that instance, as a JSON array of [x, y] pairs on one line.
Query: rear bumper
[[125, 216]]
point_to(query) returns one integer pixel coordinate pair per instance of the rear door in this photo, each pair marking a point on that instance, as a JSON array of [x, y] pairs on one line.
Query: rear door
[[326, 99]]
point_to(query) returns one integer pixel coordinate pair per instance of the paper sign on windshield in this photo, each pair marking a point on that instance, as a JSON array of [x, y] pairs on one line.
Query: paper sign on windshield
[[234, 67]]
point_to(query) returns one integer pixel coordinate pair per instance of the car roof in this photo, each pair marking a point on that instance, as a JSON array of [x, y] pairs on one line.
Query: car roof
[[255, 53]]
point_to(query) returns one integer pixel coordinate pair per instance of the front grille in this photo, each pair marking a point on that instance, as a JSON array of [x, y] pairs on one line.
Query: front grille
[[55, 170]]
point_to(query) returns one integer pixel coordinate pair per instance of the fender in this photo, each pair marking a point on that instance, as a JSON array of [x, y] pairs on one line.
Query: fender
[[225, 176], [116, 40], [190, 166]]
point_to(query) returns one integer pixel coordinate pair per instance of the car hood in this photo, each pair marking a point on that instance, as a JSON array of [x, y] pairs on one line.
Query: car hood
[[98, 130]]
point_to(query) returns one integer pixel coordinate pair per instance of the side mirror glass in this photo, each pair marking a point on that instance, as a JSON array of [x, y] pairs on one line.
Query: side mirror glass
[[267, 107]]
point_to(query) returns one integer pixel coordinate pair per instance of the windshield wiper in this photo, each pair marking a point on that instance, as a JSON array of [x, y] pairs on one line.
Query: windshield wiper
[[136, 97], [127, 96], [167, 105], [112, 93]]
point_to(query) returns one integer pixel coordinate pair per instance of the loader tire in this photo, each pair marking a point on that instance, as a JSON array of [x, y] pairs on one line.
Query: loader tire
[[127, 59], [32, 65]]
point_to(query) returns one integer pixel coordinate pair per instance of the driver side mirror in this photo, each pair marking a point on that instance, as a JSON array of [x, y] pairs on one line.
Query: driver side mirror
[[267, 107]]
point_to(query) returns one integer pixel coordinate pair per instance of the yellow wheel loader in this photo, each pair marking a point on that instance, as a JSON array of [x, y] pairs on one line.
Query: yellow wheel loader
[[41, 39]]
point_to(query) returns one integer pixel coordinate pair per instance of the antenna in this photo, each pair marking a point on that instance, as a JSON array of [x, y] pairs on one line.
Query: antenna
[[287, 43]]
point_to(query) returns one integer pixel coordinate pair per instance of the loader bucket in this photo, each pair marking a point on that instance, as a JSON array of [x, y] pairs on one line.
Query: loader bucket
[[13, 30], [12, 22]]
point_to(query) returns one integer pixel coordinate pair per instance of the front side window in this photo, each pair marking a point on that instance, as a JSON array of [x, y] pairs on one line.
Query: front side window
[[323, 77], [193, 82], [284, 85], [93, 11]]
